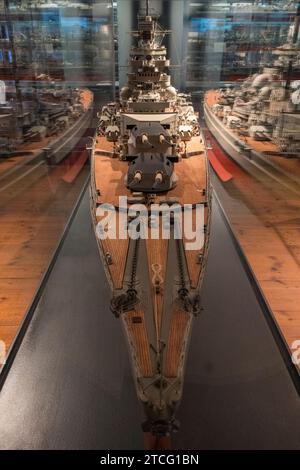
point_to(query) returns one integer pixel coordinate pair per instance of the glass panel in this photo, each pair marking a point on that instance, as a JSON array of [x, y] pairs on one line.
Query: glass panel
[[56, 66], [241, 62], [244, 58]]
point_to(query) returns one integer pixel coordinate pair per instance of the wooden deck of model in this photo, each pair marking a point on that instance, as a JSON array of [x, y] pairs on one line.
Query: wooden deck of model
[[109, 174]]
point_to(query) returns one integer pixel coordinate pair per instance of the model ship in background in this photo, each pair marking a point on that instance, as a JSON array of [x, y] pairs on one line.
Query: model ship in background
[[40, 114], [149, 148], [40, 126], [257, 120]]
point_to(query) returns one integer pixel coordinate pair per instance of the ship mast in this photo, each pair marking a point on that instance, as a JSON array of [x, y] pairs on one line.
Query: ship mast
[[147, 7]]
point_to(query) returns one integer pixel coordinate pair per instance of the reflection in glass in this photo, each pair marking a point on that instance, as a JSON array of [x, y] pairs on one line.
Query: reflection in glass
[[56, 66]]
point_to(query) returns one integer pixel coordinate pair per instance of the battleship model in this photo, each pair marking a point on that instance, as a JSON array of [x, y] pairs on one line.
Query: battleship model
[[149, 149], [263, 6], [46, 120], [257, 120]]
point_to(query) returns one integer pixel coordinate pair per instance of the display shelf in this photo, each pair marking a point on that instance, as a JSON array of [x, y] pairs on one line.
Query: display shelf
[[45, 39]]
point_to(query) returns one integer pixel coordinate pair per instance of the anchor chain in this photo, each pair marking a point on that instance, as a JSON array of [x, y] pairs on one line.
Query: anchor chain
[[134, 264], [190, 303], [128, 300]]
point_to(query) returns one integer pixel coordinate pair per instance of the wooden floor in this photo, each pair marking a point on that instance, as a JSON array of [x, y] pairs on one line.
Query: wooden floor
[[6, 164], [32, 223]]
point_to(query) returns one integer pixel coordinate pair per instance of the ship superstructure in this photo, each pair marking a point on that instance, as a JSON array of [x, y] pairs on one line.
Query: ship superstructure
[[44, 110], [41, 113], [149, 150]]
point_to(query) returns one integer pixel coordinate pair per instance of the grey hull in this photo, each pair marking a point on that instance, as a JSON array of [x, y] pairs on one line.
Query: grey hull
[[60, 148], [54, 154]]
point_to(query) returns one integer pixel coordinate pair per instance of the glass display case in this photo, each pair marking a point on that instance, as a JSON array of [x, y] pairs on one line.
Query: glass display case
[[61, 60], [233, 39], [213, 41], [69, 40], [56, 66], [131, 129]]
